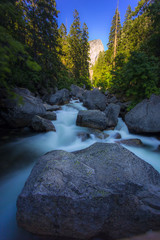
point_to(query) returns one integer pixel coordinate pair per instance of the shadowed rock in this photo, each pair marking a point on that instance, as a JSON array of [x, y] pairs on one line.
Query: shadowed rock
[[94, 100], [145, 116], [40, 124], [59, 98], [77, 92], [112, 112], [51, 107], [50, 116], [19, 112], [92, 119]]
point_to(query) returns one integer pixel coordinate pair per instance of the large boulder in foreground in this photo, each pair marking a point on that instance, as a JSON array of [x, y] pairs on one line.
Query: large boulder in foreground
[[104, 189], [145, 116], [18, 112], [59, 98], [92, 119], [94, 100]]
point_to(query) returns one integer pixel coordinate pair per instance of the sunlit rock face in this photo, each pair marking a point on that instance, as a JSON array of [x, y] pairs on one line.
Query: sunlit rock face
[[96, 46]]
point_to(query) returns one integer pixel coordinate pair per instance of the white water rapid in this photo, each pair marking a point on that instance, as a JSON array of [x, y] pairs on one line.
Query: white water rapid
[[22, 152]]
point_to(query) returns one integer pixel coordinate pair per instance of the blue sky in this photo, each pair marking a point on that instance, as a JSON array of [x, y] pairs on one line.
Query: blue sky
[[97, 14]]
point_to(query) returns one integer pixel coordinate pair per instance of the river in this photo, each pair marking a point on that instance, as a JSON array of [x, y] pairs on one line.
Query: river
[[19, 154]]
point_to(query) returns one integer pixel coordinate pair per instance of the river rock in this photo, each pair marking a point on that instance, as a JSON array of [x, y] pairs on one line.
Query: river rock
[[19, 111], [94, 100], [102, 190], [132, 142], [50, 116], [117, 136], [77, 92], [40, 124], [59, 98], [99, 134], [51, 108], [145, 116], [83, 136], [112, 112], [92, 119]]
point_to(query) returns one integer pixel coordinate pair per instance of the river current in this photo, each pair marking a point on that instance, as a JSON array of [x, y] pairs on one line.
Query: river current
[[20, 153]]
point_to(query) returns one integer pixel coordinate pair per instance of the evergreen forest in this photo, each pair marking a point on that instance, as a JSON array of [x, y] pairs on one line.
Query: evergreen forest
[[37, 54]]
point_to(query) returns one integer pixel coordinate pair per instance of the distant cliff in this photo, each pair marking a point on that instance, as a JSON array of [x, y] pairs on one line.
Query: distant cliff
[[96, 46]]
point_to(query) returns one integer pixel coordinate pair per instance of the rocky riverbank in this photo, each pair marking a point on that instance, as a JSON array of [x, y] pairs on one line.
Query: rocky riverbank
[[26, 107], [90, 192]]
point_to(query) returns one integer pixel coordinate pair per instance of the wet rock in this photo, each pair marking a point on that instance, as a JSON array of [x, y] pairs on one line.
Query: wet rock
[[50, 116], [19, 112], [112, 112], [99, 134], [83, 135], [51, 108], [117, 136], [132, 142], [40, 124], [94, 100], [158, 149], [59, 98], [92, 119], [144, 117], [77, 92], [102, 190]]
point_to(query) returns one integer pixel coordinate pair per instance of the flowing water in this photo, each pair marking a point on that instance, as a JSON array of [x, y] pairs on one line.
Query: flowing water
[[20, 153]]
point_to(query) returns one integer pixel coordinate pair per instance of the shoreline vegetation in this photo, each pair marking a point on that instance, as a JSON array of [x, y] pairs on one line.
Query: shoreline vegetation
[[37, 54]]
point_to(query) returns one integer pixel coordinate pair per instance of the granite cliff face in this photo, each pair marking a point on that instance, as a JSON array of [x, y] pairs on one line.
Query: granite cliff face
[[96, 46]]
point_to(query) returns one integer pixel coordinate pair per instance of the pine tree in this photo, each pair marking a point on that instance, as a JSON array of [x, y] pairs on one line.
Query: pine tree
[[17, 68], [85, 52], [42, 36], [128, 15], [74, 40], [63, 44], [115, 33]]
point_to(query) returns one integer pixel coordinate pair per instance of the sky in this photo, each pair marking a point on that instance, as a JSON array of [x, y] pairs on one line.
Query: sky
[[97, 14]]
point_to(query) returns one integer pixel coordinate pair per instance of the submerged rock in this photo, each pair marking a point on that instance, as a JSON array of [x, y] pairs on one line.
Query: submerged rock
[[83, 136], [92, 119], [117, 136], [145, 116], [99, 134], [104, 189], [40, 124], [132, 142]]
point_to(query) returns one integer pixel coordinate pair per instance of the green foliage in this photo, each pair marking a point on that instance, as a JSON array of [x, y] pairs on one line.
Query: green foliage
[[115, 30], [15, 62], [77, 60], [138, 78]]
